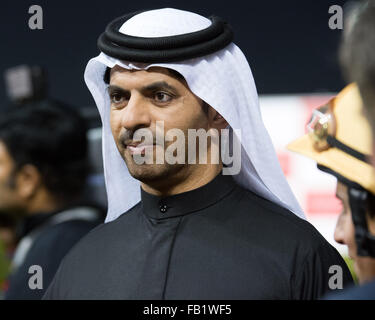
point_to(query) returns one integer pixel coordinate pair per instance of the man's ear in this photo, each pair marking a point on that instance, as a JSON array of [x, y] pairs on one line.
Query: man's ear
[[28, 180]]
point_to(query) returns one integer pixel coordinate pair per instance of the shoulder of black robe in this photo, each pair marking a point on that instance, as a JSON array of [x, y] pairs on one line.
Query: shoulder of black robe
[[227, 244], [363, 292], [47, 251]]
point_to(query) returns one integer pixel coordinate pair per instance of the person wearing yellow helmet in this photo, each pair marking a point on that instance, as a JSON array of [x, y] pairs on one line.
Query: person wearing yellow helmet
[[339, 139], [357, 53]]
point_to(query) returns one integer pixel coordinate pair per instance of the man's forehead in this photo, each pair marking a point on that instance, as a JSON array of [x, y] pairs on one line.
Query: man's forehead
[[160, 70], [153, 73], [341, 190]]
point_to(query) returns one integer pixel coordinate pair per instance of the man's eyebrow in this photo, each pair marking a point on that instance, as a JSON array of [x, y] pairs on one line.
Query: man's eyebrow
[[118, 89], [159, 85]]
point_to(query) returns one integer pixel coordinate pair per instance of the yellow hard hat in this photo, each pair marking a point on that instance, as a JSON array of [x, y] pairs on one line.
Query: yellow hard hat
[[340, 139]]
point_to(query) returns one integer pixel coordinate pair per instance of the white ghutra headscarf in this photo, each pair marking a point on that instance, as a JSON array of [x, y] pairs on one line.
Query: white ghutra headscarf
[[223, 80]]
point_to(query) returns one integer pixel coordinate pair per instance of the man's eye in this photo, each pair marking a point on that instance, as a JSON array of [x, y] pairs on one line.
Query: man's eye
[[117, 98], [162, 97]]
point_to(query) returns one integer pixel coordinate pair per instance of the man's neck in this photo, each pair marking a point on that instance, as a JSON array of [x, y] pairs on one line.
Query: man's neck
[[194, 178], [42, 202]]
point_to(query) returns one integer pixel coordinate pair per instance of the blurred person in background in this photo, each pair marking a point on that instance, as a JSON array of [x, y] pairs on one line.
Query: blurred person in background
[[8, 233], [357, 53], [358, 63], [7, 246], [43, 171], [340, 140]]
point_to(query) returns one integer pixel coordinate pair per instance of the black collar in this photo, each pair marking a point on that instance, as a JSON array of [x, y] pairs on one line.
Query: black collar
[[184, 203]]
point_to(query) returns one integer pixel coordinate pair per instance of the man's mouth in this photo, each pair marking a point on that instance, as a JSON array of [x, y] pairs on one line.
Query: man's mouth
[[139, 148]]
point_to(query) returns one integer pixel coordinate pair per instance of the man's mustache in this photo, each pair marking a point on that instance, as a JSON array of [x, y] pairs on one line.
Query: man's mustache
[[127, 138]]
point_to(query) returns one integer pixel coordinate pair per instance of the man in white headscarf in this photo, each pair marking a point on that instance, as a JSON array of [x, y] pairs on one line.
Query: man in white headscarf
[[177, 228]]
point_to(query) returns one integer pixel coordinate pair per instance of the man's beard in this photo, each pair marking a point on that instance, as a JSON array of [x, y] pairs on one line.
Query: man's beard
[[148, 173], [151, 172]]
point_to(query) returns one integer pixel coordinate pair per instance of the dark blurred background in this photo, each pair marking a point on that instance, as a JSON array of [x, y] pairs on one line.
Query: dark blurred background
[[288, 44]]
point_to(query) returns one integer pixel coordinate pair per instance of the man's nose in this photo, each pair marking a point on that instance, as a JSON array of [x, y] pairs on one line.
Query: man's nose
[[136, 113], [339, 234]]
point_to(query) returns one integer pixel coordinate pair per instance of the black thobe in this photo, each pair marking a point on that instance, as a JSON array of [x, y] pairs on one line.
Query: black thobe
[[219, 241]]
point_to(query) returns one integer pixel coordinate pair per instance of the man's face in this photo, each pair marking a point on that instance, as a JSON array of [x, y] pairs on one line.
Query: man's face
[[141, 98], [369, 112], [364, 267], [9, 198]]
